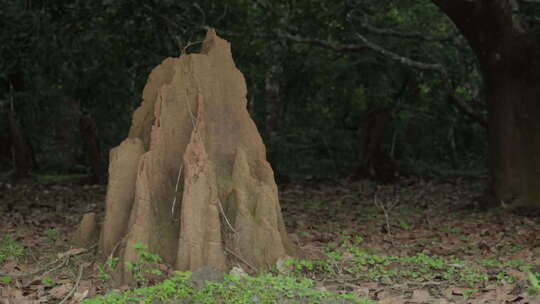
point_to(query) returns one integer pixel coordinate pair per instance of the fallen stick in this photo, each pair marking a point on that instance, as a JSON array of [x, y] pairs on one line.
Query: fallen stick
[[75, 286]]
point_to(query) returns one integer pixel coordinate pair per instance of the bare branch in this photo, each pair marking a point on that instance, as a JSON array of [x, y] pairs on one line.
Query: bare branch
[[453, 98], [324, 43], [75, 286], [435, 67], [338, 47], [463, 106], [408, 35], [225, 11], [201, 11]]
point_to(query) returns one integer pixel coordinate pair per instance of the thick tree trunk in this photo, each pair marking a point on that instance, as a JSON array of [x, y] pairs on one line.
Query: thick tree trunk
[[513, 141], [509, 58]]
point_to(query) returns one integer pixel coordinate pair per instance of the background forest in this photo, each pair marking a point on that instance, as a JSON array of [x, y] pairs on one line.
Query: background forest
[[391, 127], [326, 104]]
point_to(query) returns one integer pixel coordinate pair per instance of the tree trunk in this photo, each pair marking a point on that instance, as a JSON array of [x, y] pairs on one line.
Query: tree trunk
[[65, 136], [192, 181], [374, 163], [6, 157], [513, 141], [509, 60], [90, 140], [273, 101], [22, 152]]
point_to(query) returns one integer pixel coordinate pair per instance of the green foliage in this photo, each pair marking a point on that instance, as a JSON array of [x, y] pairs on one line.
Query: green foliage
[[6, 279], [365, 265], [404, 225], [9, 249], [57, 179], [144, 267], [450, 230], [95, 57], [265, 289], [51, 234], [48, 282], [534, 288], [104, 271]]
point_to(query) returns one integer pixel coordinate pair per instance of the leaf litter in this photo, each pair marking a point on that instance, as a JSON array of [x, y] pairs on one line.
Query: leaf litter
[[415, 241]]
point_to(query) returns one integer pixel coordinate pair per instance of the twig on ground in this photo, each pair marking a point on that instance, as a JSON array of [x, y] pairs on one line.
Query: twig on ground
[[30, 274], [75, 286], [45, 269], [64, 263], [385, 209]]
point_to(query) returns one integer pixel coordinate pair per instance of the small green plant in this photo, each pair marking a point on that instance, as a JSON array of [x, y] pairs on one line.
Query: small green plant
[[364, 264], [47, 282], [404, 225], [265, 289], [450, 230], [358, 240], [301, 265], [468, 292], [52, 234], [10, 249], [144, 267], [105, 269], [55, 179], [534, 289], [5, 280]]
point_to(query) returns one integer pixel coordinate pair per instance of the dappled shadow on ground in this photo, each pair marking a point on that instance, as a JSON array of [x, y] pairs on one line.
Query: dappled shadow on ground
[[412, 242]]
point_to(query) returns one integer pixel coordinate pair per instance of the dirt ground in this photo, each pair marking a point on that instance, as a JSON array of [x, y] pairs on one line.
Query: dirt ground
[[415, 241]]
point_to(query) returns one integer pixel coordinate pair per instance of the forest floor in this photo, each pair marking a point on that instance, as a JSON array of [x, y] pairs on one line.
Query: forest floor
[[415, 241]]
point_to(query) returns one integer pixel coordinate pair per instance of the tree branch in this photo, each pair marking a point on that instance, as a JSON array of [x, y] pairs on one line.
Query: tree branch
[[338, 47], [408, 35], [323, 43], [453, 98], [463, 106], [435, 67]]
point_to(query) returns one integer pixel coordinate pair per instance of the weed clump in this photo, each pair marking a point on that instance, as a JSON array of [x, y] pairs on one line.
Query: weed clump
[[264, 289], [9, 249]]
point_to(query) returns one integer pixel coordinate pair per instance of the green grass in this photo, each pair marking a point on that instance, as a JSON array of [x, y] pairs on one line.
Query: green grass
[[52, 234], [366, 266], [264, 289], [6, 279], [58, 179], [9, 249], [47, 282]]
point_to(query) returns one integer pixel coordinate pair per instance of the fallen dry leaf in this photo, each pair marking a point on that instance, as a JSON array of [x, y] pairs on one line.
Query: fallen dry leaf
[[393, 300], [71, 252], [421, 296], [361, 292], [78, 297], [59, 292]]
